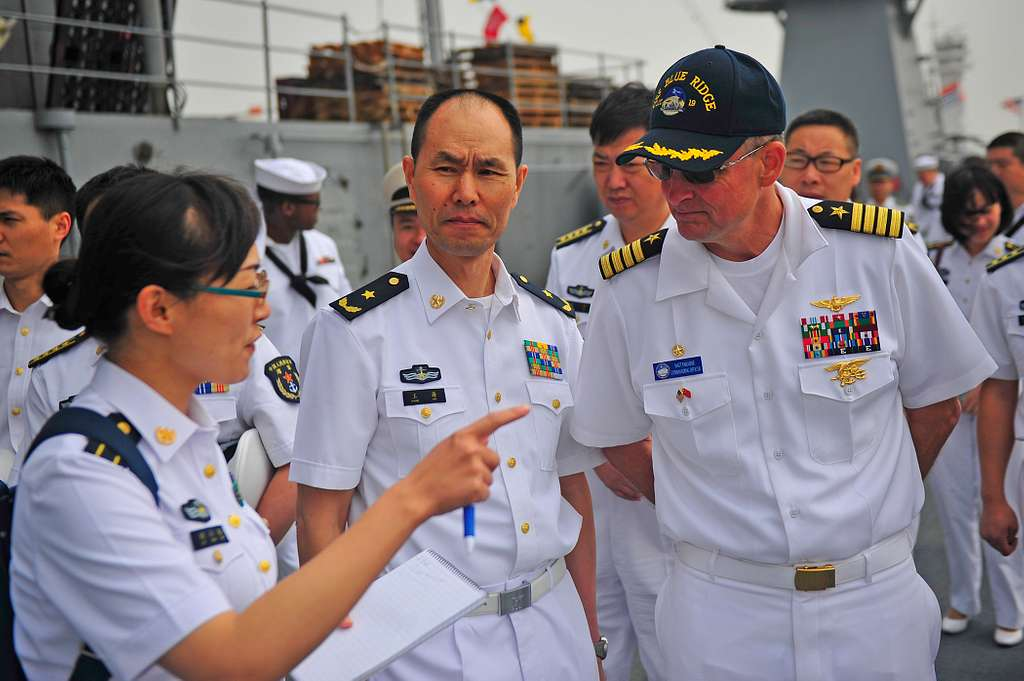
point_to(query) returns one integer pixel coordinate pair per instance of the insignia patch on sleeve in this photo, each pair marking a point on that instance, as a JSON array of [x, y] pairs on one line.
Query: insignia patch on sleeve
[[284, 377]]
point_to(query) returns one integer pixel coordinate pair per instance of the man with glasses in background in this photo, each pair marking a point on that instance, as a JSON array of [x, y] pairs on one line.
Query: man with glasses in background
[[822, 156], [304, 266], [772, 344]]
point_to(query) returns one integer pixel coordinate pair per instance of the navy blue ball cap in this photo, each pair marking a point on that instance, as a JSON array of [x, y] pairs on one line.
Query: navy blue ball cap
[[705, 106]]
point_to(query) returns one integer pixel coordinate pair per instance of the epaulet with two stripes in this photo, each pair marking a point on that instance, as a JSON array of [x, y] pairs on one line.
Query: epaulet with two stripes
[[42, 359], [632, 254]]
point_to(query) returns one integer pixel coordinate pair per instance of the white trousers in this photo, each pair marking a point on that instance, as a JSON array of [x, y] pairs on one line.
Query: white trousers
[[717, 629], [549, 641], [955, 485], [632, 564]]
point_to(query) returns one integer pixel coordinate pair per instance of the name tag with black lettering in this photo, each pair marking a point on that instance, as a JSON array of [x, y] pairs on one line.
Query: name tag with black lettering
[[207, 537], [411, 397]]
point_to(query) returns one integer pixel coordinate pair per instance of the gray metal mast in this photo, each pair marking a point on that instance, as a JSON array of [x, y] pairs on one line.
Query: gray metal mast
[[432, 26], [858, 57]]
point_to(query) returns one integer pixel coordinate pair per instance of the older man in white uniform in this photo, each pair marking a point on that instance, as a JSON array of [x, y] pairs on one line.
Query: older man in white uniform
[[631, 556], [303, 263], [400, 364], [36, 204], [773, 345]]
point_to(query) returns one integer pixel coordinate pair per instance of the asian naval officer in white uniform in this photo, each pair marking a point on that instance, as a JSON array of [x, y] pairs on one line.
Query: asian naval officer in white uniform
[[406, 229], [975, 211], [631, 554], [397, 365], [261, 401], [798, 362], [173, 579], [303, 263], [36, 208]]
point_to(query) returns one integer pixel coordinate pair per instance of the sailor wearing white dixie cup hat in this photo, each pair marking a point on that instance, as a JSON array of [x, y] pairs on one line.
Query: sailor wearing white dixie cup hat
[[303, 264], [926, 197], [783, 353]]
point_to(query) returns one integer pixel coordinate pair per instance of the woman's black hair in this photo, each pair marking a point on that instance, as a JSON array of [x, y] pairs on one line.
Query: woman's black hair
[[175, 231], [959, 191]]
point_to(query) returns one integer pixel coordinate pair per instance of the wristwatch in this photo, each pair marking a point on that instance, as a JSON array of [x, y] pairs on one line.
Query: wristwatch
[[601, 648]]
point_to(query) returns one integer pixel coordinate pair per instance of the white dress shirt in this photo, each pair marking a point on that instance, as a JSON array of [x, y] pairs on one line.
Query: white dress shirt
[[758, 451], [95, 561], [289, 311], [23, 335]]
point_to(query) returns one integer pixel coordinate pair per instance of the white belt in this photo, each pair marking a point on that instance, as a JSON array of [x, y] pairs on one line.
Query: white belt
[[883, 555], [513, 600]]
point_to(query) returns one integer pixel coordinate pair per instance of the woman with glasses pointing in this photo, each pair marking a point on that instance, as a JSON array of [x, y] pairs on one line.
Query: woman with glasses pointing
[[156, 570]]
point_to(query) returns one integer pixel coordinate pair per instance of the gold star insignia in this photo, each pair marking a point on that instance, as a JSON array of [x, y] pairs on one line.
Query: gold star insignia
[[838, 211], [548, 293], [367, 294], [836, 303], [651, 238], [678, 350]]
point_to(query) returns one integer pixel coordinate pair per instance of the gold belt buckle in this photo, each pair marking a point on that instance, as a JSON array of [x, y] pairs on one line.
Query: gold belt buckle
[[815, 577]]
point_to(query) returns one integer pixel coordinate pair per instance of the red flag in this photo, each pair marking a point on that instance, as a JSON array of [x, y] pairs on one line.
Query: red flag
[[1013, 104], [495, 21]]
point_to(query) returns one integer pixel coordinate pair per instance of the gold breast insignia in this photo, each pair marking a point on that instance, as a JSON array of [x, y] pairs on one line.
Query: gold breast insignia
[[836, 303], [849, 371]]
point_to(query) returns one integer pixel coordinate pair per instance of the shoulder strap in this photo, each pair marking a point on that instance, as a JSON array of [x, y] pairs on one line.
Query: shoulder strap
[[86, 422], [1014, 227]]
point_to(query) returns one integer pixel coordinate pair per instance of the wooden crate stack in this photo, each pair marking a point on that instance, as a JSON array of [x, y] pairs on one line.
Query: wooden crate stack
[[534, 84], [413, 82], [582, 97]]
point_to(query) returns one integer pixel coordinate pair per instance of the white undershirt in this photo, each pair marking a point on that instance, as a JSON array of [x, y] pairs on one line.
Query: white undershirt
[[750, 278]]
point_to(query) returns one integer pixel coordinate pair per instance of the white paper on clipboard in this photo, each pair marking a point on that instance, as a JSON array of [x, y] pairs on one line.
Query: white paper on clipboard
[[400, 610]]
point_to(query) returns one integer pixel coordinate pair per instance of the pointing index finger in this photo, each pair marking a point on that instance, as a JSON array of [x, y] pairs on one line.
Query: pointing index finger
[[482, 428]]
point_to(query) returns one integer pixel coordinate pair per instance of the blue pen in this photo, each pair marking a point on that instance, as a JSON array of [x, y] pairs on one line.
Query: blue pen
[[469, 526]]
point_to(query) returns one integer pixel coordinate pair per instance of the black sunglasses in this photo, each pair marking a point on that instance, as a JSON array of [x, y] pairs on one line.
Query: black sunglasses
[[660, 171]]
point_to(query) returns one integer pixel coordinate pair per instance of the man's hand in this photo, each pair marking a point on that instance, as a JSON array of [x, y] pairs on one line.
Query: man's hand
[[999, 526], [617, 482]]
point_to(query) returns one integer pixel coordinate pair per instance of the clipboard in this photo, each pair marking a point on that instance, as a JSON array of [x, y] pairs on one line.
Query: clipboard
[[400, 610]]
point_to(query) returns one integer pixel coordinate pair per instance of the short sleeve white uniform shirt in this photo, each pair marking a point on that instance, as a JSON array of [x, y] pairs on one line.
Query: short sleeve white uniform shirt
[[380, 391], [96, 561], [759, 450]]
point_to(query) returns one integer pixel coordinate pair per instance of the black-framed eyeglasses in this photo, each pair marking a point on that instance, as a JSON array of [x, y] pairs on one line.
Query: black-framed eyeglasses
[[304, 201], [663, 172], [258, 290], [969, 215], [825, 163]]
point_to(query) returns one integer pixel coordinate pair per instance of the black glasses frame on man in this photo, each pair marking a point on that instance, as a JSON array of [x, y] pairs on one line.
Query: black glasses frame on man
[[824, 163], [663, 172]]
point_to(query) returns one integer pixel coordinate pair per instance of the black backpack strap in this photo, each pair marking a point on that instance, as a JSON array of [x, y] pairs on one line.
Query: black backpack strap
[[80, 421]]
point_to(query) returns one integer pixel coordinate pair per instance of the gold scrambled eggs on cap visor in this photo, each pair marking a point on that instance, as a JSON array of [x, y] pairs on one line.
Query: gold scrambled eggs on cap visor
[[682, 149]]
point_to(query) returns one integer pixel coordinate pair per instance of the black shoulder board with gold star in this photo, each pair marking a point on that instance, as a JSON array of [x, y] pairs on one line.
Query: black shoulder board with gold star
[[632, 254], [1005, 258], [545, 295], [863, 218], [370, 296], [39, 360], [584, 232]]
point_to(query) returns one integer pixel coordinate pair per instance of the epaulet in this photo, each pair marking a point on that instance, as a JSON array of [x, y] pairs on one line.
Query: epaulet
[[584, 232], [366, 298], [633, 253], [545, 295], [42, 359], [1005, 258], [939, 245], [911, 225], [863, 218]]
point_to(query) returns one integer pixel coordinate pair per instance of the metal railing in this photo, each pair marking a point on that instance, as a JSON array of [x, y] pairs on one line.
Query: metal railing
[[605, 65]]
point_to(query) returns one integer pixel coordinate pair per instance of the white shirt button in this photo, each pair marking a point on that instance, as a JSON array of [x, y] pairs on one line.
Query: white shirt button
[[758, 336], [767, 395], [794, 512]]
